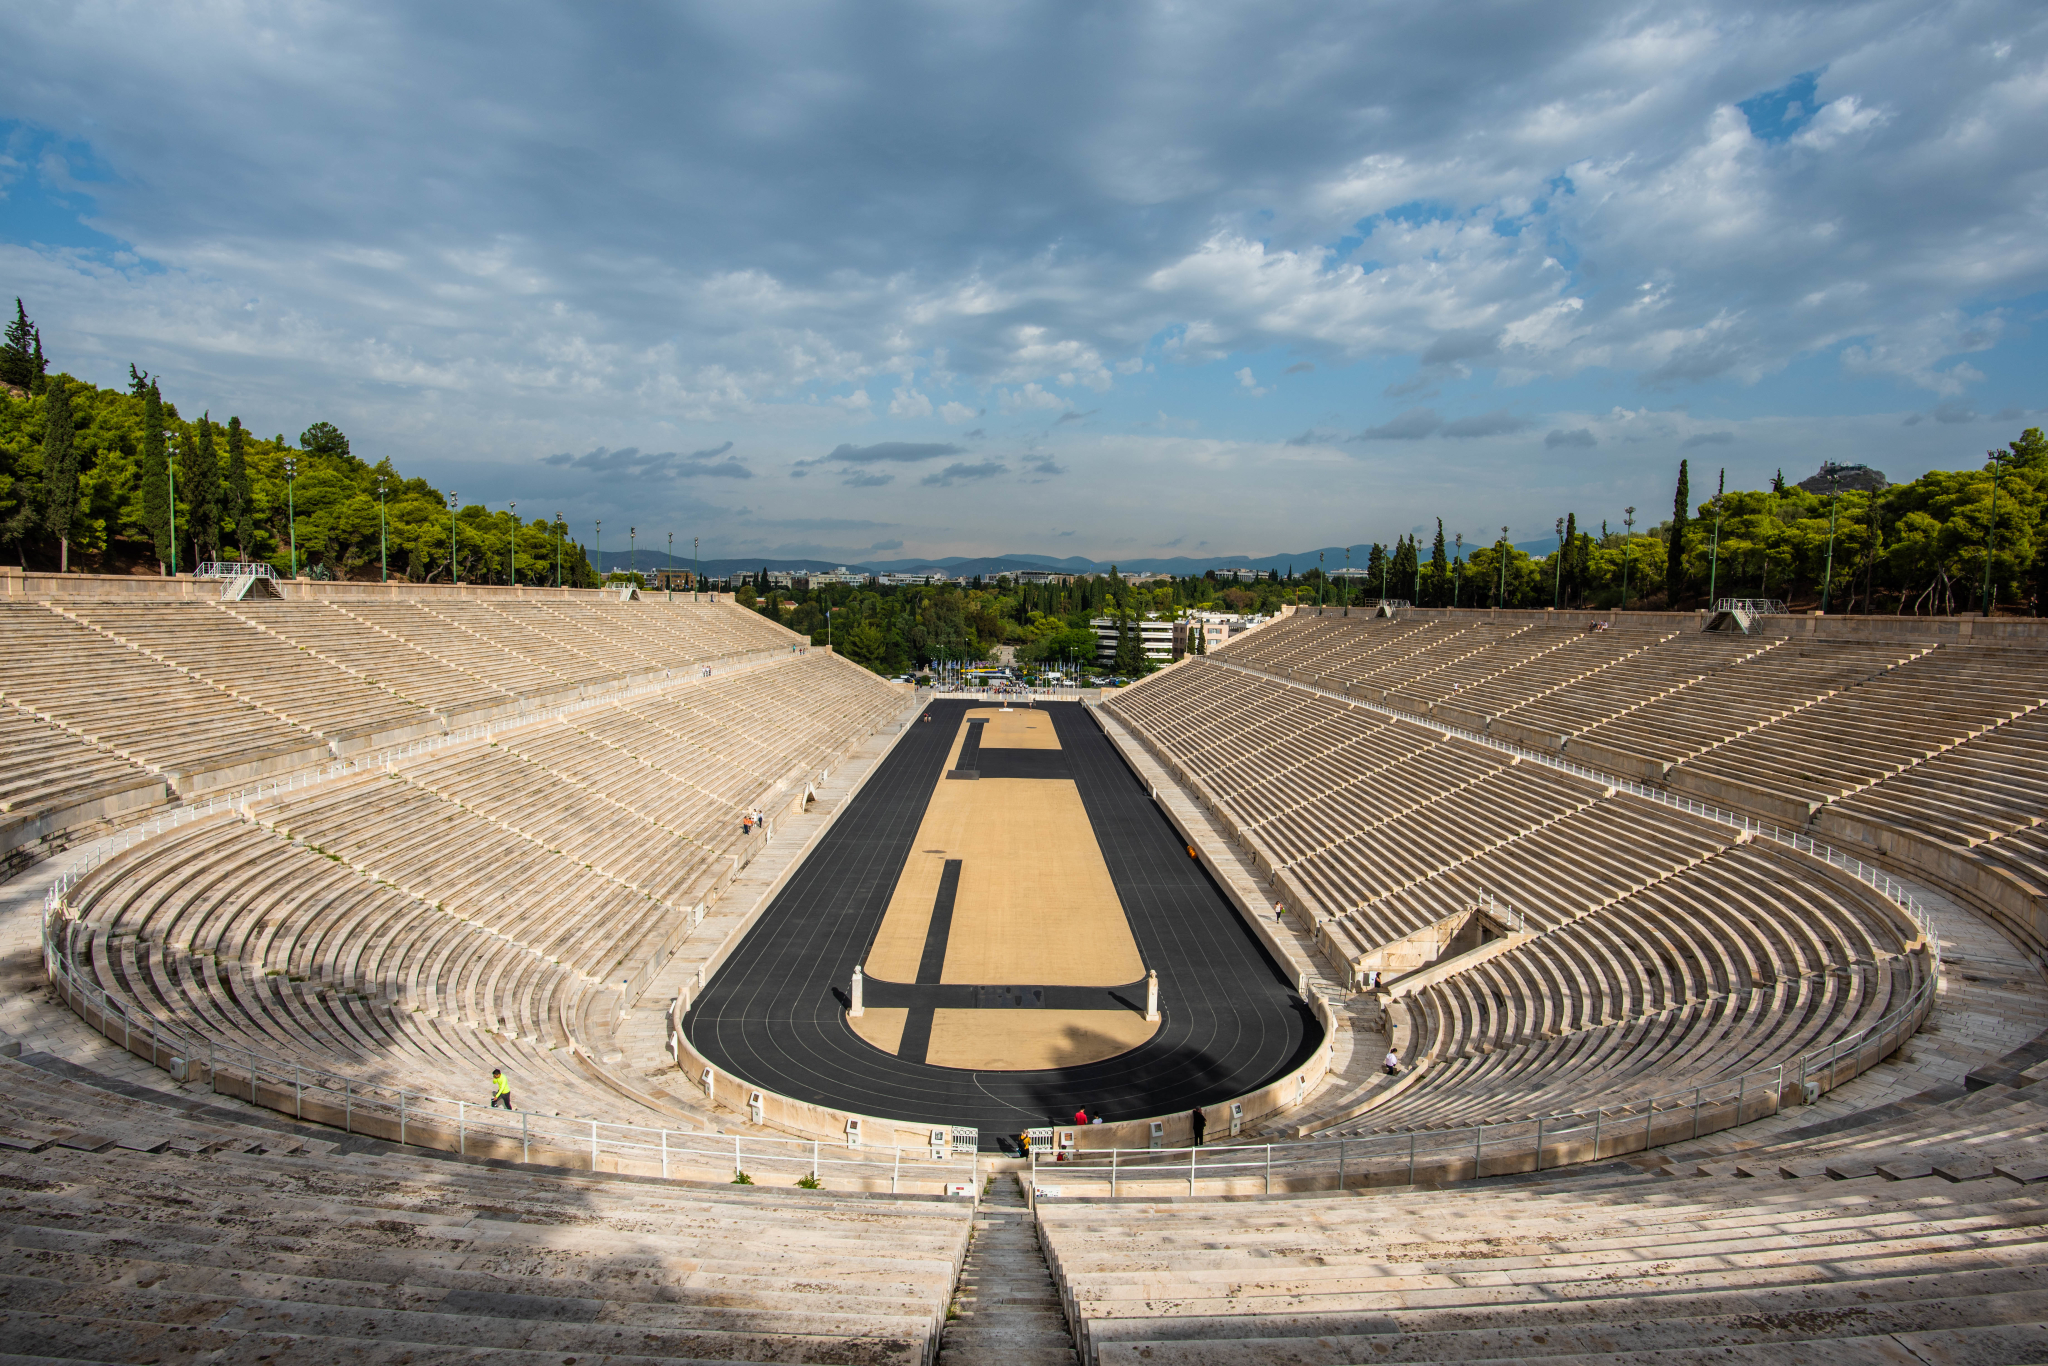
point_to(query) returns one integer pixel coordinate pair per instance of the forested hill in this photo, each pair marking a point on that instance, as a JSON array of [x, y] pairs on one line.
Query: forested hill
[[94, 491]]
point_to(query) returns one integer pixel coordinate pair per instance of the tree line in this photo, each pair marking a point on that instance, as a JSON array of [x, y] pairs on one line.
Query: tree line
[[117, 481]]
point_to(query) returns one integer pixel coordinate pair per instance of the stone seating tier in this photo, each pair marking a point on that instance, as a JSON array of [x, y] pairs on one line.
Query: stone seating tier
[[139, 1231], [476, 905]]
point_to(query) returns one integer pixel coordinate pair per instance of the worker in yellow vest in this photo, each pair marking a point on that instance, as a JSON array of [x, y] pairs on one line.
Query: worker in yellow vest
[[501, 1089]]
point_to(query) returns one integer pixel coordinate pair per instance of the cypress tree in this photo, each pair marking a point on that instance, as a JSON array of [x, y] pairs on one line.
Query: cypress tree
[[240, 503], [156, 492], [199, 481], [1674, 550], [1439, 569], [39, 366], [60, 470], [1570, 549], [17, 364]]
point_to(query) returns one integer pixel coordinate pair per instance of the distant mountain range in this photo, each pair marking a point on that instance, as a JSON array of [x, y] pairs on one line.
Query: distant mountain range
[[990, 566]]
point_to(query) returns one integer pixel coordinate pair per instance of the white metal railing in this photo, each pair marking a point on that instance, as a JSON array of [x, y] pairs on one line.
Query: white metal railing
[[420, 1119], [423, 1119], [167, 1041], [1538, 1143], [233, 569], [1826, 1062]]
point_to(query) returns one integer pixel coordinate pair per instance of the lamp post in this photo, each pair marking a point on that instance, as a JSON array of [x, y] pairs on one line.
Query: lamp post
[[1557, 569], [671, 566], [561, 528], [632, 552], [1714, 555], [512, 549], [1991, 537], [1834, 479], [1503, 567], [383, 538], [1344, 593], [696, 570], [1321, 579], [1628, 552], [291, 516], [598, 546], [453, 502], [171, 480], [1458, 559]]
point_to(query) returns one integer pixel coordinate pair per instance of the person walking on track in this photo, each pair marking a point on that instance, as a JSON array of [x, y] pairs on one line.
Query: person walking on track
[[501, 1090]]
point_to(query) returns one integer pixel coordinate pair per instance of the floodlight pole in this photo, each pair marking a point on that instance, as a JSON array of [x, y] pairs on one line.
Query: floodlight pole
[[632, 553], [1714, 555], [1503, 566], [1991, 538], [291, 516], [561, 527], [1557, 575], [598, 546], [1834, 479], [454, 501], [1458, 559], [1628, 552], [383, 538], [171, 477], [671, 566], [512, 550], [696, 570]]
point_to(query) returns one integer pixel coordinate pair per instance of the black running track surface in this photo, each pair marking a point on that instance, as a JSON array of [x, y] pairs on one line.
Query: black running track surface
[[774, 1016]]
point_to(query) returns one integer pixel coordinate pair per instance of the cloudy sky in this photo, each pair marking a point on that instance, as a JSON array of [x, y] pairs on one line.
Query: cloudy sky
[[895, 279]]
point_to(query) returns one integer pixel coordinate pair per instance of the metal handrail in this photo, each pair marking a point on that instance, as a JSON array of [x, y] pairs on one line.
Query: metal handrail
[[359, 1101], [1756, 607], [168, 1042], [421, 1119], [233, 569], [1825, 1061]]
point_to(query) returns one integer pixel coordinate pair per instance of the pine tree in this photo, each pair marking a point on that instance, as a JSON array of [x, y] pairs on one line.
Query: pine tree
[[39, 366], [17, 363], [199, 481], [1778, 482], [237, 497], [1569, 548], [156, 492], [60, 470], [1674, 550], [138, 381], [1439, 569]]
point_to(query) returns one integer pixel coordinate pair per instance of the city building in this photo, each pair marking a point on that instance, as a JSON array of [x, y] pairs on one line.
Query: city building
[[1217, 629], [1156, 638]]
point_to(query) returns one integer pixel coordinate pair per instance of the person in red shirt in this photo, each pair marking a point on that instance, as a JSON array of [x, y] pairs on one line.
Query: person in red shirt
[[1081, 1116]]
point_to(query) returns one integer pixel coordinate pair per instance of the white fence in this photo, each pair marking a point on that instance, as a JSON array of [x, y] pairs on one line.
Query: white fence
[[234, 569]]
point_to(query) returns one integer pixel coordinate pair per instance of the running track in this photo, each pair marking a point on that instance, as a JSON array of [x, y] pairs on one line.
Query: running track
[[774, 1016]]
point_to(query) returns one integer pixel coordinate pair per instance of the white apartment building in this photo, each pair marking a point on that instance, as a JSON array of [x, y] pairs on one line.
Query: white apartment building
[[1155, 637], [1217, 629]]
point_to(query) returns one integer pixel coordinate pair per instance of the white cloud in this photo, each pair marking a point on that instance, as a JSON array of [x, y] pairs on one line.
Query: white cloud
[[908, 402]]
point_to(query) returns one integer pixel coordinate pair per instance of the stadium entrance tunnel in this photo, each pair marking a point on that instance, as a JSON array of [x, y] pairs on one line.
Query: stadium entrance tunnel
[[1006, 884]]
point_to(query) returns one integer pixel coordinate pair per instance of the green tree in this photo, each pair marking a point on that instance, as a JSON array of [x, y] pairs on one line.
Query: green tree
[[1674, 561], [60, 469], [323, 438], [1439, 570], [199, 482], [238, 502], [18, 352]]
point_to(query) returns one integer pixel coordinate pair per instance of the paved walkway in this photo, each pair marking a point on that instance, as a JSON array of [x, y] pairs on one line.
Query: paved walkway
[[30, 1013]]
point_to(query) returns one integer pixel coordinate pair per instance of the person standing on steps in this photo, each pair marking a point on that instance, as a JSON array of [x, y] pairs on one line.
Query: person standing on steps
[[501, 1090], [1393, 1063], [746, 823], [1199, 1122]]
